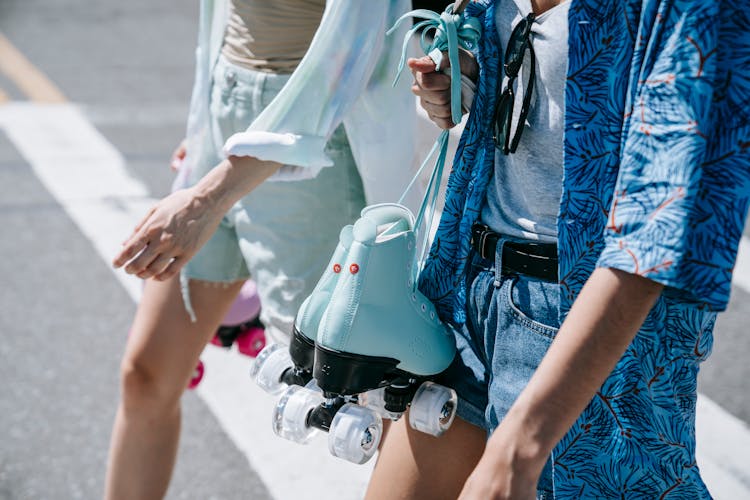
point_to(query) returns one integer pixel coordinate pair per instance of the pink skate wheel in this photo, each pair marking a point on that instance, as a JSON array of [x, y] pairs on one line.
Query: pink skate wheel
[[197, 375], [215, 340], [251, 341]]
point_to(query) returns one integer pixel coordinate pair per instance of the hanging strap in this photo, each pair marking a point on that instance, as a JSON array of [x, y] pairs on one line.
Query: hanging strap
[[425, 217], [450, 31]]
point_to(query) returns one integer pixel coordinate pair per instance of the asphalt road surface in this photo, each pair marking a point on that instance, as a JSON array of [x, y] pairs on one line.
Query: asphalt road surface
[[93, 98]]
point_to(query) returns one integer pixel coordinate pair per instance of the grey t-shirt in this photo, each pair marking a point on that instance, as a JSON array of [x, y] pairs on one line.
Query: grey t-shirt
[[525, 199]]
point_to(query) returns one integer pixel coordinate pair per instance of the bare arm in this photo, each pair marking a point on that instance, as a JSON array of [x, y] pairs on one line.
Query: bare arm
[[177, 226], [601, 324]]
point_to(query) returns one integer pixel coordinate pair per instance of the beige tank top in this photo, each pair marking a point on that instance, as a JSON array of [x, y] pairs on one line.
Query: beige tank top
[[270, 36]]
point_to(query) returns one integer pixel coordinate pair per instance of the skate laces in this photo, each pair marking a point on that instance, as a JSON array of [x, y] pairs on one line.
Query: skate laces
[[391, 230], [449, 32]]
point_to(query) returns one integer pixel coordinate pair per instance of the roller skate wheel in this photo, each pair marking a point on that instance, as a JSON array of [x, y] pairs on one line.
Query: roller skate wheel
[[270, 364], [262, 356], [290, 414], [355, 433], [375, 400], [312, 385], [197, 376], [251, 342], [433, 408]]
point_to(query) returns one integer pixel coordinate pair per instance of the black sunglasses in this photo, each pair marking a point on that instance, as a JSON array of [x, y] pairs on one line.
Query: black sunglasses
[[514, 53]]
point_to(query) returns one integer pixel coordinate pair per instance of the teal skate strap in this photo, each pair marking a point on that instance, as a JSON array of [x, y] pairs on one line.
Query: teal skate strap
[[425, 216], [449, 32]]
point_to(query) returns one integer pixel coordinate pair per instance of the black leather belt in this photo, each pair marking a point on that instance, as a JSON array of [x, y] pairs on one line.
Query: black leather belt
[[538, 260]]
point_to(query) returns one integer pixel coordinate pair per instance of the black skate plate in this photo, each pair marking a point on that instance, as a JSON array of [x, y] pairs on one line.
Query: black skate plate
[[301, 350], [341, 373]]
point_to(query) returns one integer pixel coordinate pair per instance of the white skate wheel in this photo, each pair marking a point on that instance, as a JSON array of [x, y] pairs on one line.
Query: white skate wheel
[[375, 400], [355, 433], [312, 385], [270, 364], [290, 414], [433, 408]]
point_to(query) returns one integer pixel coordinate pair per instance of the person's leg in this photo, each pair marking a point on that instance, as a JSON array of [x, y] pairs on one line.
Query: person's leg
[[161, 354], [412, 464], [415, 465], [498, 348]]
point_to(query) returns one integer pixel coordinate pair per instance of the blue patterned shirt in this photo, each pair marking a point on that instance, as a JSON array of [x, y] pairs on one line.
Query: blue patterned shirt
[[656, 183]]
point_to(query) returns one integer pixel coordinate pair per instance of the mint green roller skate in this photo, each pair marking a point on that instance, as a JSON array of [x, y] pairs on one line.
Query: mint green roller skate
[[379, 336]]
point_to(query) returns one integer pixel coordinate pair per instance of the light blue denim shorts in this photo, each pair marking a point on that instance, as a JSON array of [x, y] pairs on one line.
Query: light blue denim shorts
[[283, 233], [511, 322]]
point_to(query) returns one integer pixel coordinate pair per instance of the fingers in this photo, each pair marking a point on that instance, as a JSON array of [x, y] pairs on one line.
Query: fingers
[[131, 248], [134, 244], [138, 226], [443, 123], [426, 77], [139, 250], [172, 269], [467, 62], [157, 266], [424, 64], [439, 114], [152, 253], [434, 97], [156, 255], [436, 110], [433, 90], [141, 261]]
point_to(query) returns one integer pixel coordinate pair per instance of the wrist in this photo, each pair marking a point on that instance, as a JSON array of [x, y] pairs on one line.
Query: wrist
[[232, 179], [215, 189], [523, 440]]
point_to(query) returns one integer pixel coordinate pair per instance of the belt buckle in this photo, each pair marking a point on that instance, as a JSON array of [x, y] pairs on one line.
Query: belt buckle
[[481, 245]]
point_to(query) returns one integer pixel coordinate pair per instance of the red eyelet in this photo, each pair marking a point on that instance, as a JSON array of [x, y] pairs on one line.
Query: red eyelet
[[354, 269], [337, 268]]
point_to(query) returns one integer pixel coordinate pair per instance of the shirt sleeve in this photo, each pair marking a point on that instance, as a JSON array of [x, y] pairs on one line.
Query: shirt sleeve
[[295, 127], [681, 196]]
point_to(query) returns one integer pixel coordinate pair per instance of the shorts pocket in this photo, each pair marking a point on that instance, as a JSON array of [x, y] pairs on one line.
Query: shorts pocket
[[535, 304]]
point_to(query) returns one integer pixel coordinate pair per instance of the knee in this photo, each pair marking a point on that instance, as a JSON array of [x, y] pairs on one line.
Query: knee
[[147, 391]]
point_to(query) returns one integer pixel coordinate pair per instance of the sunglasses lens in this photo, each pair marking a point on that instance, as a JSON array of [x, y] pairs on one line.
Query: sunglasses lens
[[516, 47], [503, 117]]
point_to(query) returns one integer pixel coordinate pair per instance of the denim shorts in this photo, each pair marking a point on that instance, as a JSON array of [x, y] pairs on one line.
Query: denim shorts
[[511, 322], [283, 233]]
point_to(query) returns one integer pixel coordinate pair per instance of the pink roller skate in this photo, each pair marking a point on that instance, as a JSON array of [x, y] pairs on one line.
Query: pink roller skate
[[241, 326]]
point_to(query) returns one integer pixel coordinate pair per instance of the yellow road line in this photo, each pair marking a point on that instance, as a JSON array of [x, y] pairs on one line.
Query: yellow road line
[[30, 80]]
